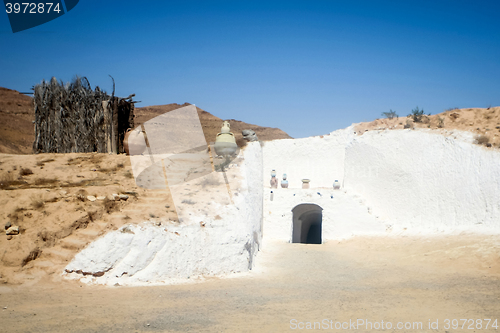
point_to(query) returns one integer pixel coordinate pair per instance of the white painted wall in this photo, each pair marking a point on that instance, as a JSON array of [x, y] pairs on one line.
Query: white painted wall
[[416, 181], [344, 215], [320, 159], [419, 179]]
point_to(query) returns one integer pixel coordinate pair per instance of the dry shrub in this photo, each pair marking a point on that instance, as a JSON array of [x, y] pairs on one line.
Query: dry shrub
[[81, 195], [112, 169], [37, 202], [482, 139], [25, 172], [7, 181], [52, 199], [440, 122], [96, 158], [110, 205], [45, 181], [42, 162], [32, 256]]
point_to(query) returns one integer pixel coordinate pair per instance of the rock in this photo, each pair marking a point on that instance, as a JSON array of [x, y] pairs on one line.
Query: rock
[[249, 135], [8, 225], [110, 197], [115, 196], [14, 230], [9, 237], [158, 223], [91, 198], [123, 197], [101, 198]]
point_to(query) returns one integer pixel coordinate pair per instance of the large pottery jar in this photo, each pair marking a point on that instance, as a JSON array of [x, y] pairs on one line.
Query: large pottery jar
[[225, 143]]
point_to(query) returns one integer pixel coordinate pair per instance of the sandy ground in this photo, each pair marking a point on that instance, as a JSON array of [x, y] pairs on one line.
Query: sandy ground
[[404, 279], [56, 219]]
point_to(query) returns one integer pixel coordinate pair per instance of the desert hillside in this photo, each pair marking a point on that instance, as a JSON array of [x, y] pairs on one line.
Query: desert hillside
[[17, 116], [16, 125], [483, 122]]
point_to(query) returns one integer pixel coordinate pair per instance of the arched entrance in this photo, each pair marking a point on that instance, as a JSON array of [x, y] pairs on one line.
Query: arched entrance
[[307, 224]]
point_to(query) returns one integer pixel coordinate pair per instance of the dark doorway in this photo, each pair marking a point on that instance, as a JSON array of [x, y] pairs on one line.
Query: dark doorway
[[307, 224]]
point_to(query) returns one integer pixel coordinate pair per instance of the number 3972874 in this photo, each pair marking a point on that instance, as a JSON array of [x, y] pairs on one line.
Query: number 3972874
[[32, 8]]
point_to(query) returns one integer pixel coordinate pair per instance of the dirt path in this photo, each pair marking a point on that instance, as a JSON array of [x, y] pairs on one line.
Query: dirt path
[[406, 279]]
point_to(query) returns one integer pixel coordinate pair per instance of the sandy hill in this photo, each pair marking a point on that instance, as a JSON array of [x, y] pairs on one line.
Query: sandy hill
[[16, 125], [17, 116], [483, 122], [210, 123]]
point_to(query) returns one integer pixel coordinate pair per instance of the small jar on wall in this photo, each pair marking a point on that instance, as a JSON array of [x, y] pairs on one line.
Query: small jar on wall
[[274, 180], [284, 182]]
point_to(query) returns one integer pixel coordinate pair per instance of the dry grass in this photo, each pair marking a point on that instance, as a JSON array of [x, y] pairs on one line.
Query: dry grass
[[42, 162], [110, 205], [482, 139], [7, 182], [37, 202], [25, 172], [112, 169], [440, 122], [45, 181]]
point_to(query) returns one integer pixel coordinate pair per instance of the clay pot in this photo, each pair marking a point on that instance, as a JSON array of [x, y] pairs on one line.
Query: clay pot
[[133, 142]]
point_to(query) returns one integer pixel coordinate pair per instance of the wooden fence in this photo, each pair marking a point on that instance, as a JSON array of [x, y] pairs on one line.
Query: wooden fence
[[73, 118]]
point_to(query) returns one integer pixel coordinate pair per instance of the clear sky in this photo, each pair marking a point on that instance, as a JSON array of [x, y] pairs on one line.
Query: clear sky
[[307, 67]]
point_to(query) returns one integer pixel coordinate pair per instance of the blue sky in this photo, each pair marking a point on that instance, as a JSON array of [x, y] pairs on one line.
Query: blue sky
[[307, 67]]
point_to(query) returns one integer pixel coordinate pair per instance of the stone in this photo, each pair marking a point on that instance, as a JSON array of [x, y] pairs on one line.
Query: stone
[[123, 197], [14, 230], [115, 196], [9, 237], [8, 225], [101, 197], [249, 135], [91, 198]]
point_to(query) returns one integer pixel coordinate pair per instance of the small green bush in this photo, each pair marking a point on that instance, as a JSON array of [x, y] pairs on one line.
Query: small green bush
[[390, 115], [416, 115]]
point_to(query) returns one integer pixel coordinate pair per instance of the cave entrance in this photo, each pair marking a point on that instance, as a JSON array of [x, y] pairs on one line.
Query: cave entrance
[[307, 224]]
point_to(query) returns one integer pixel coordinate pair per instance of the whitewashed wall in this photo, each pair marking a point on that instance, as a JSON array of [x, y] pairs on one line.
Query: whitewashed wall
[[425, 180], [214, 239], [320, 159]]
